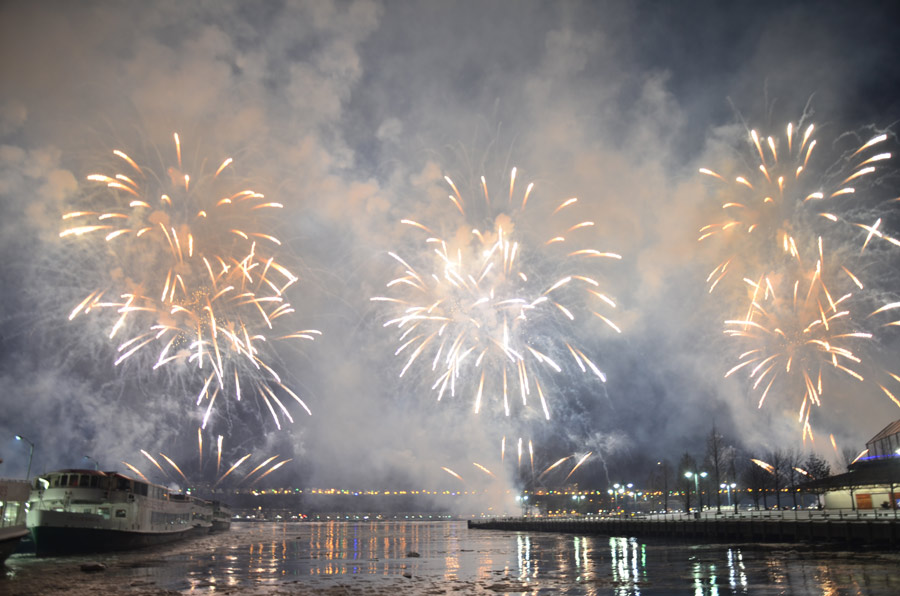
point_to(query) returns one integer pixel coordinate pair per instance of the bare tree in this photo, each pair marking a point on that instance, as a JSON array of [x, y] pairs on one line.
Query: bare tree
[[778, 459], [715, 458], [792, 461], [756, 479]]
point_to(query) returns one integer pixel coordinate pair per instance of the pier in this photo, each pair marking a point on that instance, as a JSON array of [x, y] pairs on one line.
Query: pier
[[860, 528]]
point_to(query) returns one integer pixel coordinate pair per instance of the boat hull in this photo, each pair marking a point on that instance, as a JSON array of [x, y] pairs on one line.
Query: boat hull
[[53, 541]]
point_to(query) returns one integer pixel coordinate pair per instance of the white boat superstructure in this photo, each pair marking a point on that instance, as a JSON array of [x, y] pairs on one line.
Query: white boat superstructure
[[91, 511]]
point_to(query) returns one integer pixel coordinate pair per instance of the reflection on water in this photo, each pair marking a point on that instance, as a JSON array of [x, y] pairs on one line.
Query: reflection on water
[[447, 557]]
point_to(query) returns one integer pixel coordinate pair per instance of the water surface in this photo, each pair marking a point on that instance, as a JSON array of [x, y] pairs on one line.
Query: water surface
[[448, 558]]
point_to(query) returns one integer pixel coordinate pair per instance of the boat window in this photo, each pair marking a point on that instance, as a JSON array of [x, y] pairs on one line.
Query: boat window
[[120, 513], [63, 480], [140, 488], [95, 481], [104, 511], [123, 484], [73, 479]]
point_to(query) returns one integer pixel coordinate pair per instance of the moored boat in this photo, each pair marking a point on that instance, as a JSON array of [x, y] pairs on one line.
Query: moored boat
[[77, 511], [13, 496], [221, 517]]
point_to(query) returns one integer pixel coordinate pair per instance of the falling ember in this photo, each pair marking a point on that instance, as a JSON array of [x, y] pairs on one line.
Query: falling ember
[[803, 472], [862, 453], [452, 473], [767, 467], [488, 310]]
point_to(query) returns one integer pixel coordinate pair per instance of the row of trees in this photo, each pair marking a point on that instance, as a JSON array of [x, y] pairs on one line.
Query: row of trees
[[725, 464]]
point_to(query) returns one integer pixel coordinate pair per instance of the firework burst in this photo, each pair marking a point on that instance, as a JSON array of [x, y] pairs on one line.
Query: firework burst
[[802, 327], [192, 277], [784, 191], [492, 304]]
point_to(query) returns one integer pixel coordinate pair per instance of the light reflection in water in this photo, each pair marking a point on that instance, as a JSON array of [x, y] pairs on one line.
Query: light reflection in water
[[524, 556], [737, 575], [583, 565], [458, 559], [628, 559]]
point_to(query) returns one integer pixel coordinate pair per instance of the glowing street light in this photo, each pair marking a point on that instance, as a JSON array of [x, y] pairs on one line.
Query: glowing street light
[[524, 502], [579, 499], [729, 487], [30, 454], [696, 476], [615, 491]]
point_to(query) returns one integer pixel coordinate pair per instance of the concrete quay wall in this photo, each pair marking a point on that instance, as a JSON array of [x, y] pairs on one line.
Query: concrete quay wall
[[856, 531]]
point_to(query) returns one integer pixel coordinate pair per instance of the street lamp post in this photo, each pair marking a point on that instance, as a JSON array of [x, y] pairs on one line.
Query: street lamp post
[[92, 460], [579, 499], [523, 500], [30, 454], [697, 476], [728, 487]]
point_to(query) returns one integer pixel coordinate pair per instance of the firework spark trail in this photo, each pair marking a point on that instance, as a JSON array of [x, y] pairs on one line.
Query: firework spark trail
[[861, 454], [270, 470], [205, 477], [578, 465], [136, 471], [798, 328], [555, 465], [763, 209], [483, 469], [493, 307], [198, 287]]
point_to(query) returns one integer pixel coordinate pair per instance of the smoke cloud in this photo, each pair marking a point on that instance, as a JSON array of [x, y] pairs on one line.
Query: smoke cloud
[[350, 114]]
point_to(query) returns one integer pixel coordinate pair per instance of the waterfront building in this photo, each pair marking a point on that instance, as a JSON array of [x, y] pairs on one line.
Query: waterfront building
[[871, 482]]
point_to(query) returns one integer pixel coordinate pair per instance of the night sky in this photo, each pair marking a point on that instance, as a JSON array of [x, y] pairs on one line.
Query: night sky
[[350, 114]]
